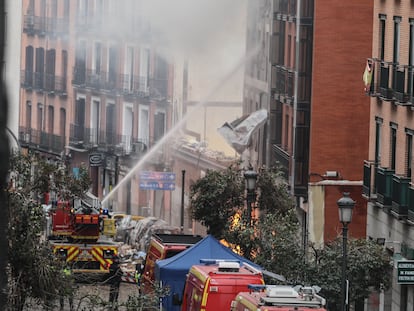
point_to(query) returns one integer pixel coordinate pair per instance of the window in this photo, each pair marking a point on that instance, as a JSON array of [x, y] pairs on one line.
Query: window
[[39, 117], [39, 68], [393, 144], [411, 57], [143, 125], [128, 126], [409, 152], [28, 77], [64, 70], [144, 69], [159, 125], [79, 119], [95, 120], [129, 70], [381, 39], [110, 124], [51, 116], [397, 24], [62, 122], [378, 127], [28, 115], [97, 58]]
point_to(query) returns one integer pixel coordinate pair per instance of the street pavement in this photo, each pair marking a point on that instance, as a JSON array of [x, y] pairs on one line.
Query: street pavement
[[96, 292]]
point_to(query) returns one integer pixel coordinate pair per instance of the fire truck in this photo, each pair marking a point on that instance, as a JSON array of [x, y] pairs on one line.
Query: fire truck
[[76, 235], [279, 298], [213, 284]]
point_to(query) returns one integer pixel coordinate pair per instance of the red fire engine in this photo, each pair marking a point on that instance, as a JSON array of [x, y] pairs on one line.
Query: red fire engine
[[75, 235]]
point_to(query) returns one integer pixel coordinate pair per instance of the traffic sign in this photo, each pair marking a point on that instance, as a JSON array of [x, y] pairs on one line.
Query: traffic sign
[[157, 176], [156, 185]]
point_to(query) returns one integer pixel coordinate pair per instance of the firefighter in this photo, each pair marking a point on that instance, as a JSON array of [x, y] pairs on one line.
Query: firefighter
[[138, 271], [114, 280], [69, 290]]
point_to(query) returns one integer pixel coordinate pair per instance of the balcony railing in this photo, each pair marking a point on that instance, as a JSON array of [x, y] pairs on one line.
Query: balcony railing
[[400, 186], [368, 187], [392, 82], [42, 25], [384, 187], [127, 85], [43, 82], [89, 138], [402, 76], [41, 140]]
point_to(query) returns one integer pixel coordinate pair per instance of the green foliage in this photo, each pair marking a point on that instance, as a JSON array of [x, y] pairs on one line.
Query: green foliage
[[36, 176], [274, 240], [368, 269], [215, 198], [274, 197], [33, 270]]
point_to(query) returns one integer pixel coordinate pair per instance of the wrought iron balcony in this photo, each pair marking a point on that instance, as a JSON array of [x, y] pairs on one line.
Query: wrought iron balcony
[[384, 187], [400, 186], [43, 82], [402, 81], [391, 82], [42, 25], [104, 140], [41, 140]]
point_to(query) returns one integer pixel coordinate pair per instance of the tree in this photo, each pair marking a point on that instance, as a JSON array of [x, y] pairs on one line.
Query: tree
[[273, 241], [35, 275], [216, 198], [33, 270]]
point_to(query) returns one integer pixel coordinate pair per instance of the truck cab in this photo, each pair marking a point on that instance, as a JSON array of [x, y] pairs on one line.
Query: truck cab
[[212, 285], [163, 246], [279, 298]]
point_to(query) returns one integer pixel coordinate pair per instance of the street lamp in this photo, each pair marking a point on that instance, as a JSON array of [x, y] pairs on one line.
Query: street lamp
[[251, 176], [345, 205]]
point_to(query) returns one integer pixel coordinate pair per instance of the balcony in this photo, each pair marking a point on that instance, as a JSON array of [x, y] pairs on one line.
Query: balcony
[[402, 76], [41, 25], [106, 141], [384, 187], [41, 141], [43, 82], [368, 187], [392, 82], [400, 186], [386, 93], [127, 85]]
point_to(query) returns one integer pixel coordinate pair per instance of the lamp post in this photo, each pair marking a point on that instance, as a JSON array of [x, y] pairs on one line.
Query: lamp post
[[251, 176], [345, 205]]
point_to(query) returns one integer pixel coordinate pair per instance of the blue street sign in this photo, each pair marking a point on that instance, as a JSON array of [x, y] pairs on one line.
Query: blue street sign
[[155, 185], [156, 176]]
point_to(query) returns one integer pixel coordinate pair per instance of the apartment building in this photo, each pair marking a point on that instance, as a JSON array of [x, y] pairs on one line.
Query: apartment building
[[388, 170], [94, 91], [308, 75]]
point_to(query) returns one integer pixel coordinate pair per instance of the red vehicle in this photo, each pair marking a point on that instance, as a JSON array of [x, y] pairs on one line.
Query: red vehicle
[[213, 285], [279, 298], [75, 235], [163, 246]]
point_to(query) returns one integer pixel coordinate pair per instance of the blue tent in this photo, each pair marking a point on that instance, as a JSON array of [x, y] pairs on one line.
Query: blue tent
[[172, 272]]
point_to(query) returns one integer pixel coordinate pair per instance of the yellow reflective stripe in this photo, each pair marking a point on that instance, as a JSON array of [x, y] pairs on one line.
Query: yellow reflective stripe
[[205, 294], [73, 252]]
